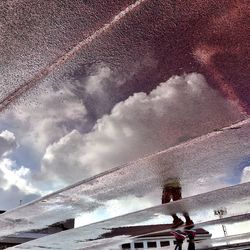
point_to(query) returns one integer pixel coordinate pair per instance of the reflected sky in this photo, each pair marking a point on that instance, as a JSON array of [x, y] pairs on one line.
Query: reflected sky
[[97, 234], [146, 178], [87, 87]]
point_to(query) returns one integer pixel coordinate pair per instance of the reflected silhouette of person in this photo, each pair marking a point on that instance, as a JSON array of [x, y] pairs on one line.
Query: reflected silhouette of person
[[180, 237], [191, 234], [172, 191]]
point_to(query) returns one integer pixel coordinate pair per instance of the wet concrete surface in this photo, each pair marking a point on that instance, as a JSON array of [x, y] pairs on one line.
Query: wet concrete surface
[[240, 241], [218, 154], [146, 46], [149, 44], [90, 236]]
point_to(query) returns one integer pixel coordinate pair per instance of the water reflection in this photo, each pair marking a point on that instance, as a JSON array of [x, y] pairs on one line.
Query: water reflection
[[190, 160], [181, 236], [158, 236], [172, 191]]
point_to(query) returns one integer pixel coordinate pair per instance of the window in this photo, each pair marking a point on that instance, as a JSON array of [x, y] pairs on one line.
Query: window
[[138, 245], [165, 243], [126, 246], [152, 244]]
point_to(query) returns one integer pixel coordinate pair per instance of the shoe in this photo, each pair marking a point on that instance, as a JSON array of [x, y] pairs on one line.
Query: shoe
[[177, 222], [179, 235], [189, 224], [190, 233]]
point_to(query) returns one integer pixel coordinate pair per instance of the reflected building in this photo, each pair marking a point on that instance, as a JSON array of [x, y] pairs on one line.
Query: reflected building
[[154, 236], [19, 238]]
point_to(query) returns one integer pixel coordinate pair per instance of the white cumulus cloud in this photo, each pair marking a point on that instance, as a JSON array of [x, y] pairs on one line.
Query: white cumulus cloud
[[18, 177], [42, 122], [245, 175], [94, 83], [7, 142], [15, 184], [179, 109]]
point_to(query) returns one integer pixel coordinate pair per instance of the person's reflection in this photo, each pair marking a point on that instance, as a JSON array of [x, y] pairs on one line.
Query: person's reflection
[[180, 237], [172, 191], [191, 234]]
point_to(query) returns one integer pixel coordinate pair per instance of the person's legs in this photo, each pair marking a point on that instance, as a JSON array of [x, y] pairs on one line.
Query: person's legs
[[191, 245], [179, 237], [176, 221], [176, 195], [179, 245], [166, 198], [189, 222], [166, 195], [191, 234]]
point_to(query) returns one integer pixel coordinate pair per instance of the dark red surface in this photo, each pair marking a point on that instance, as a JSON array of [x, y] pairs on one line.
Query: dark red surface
[[152, 43], [150, 230]]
